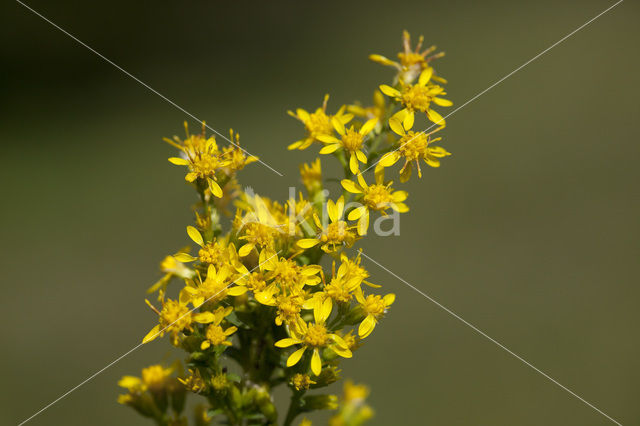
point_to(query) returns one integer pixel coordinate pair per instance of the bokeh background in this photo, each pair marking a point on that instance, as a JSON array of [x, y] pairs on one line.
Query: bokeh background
[[529, 231]]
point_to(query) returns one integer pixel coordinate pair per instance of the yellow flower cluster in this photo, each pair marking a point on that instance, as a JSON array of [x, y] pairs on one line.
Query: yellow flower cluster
[[260, 292]]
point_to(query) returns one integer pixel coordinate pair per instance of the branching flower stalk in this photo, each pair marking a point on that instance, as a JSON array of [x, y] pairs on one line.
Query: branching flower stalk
[[274, 293]]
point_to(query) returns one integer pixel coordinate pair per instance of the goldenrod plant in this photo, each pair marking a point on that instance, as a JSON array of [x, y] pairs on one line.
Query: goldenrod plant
[[275, 293]]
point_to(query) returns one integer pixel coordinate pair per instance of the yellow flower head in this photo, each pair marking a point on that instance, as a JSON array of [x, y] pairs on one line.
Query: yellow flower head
[[418, 97], [174, 317], [336, 234], [311, 175], [351, 141], [301, 381], [377, 197], [210, 290], [413, 147], [317, 123], [202, 157], [314, 337], [193, 382], [374, 308], [236, 157], [412, 61], [214, 334]]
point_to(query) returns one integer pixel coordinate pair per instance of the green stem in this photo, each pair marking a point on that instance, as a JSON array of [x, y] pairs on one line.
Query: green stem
[[294, 408]]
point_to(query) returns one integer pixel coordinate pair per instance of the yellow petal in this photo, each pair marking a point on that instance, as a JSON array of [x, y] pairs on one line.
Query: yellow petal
[[389, 299], [408, 120], [237, 291], [295, 357], [389, 159], [332, 211], [316, 362], [184, 257], [368, 126], [195, 235], [306, 243], [389, 91], [353, 164], [366, 326], [155, 332], [295, 145], [328, 139], [355, 214], [396, 125], [400, 207], [350, 186], [245, 249], [328, 149], [361, 157], [178, 161], [215, 188], [205, 345], [204, 317], [363, 223], [338, 125], [285, 343], [435, 117], [442, 102], [425, 76]]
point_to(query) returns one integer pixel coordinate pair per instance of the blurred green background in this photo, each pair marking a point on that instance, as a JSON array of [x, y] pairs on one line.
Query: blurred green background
[[529, 231]]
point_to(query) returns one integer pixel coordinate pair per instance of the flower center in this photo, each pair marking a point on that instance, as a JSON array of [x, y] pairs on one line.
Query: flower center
[[416, 98], [211, 253], [205, 165], [174, 316], [374, 305], [260, 234], [408, 59], [377, 197], [352, 140], [336, 232], [337, 291], [256, 282], [413, 146], [215, 335], [316, 336], [319, 124]]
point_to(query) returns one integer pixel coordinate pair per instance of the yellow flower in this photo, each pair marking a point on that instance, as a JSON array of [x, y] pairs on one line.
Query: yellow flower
[[193, 382], [236, 157], [412, 61], [174, 317], [351, 141], [215, 287], [339, 290], [374, 307], [171, 266], [317, 123], [301, 381], [418, 97], [377, 197], [313, 337], [311, 175], [377, 110], [216, 335], [413, 147], [216, 252], [259, 227], [335, 235], [202, 157]]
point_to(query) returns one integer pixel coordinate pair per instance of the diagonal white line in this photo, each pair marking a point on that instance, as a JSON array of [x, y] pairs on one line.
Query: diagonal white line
[[145, 84], [500, 345], [91, 377], [499, 81]]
